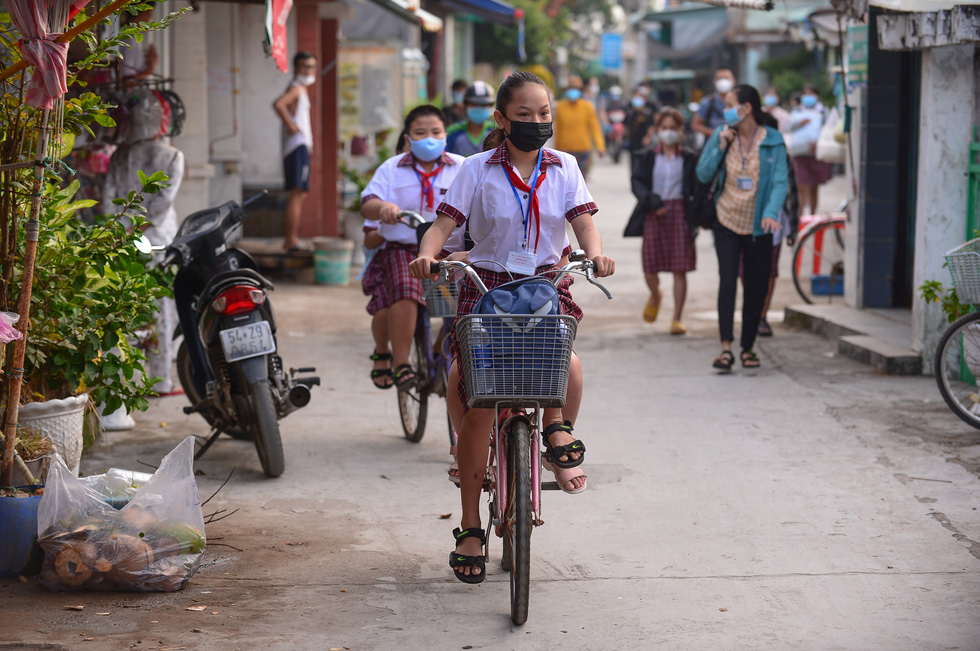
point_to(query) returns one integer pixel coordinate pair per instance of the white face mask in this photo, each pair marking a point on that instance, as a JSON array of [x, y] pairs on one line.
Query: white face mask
[[306, 80], [724, 85], [669, 137]]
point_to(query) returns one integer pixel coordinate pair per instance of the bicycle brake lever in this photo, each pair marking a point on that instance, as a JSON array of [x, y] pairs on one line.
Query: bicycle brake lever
[[590, 276]]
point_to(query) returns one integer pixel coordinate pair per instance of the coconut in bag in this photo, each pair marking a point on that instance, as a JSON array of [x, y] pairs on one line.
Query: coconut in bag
[[153, 544]]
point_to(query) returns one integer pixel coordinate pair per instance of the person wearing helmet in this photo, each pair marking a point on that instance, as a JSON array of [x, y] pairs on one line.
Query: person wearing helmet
[[466, 137]]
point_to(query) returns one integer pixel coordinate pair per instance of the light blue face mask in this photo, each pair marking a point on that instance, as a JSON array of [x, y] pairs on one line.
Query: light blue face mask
[[478, 114], [808, 101], [458, 98], [573, 94], [637, 102], [732, 117], [428, 149], [770, 100]]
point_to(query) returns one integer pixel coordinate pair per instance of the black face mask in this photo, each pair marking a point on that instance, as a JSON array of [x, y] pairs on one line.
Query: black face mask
[[529, 136]]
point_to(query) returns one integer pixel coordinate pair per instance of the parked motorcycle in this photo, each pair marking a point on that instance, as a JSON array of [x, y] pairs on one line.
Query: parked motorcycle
[[617, 125], [228, 363]]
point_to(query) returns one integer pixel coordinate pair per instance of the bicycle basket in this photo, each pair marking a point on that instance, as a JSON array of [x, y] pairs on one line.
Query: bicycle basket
[[440, 300], [515, 358], [964, 267]]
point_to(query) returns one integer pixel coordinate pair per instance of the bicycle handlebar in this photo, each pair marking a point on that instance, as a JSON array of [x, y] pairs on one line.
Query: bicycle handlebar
[[578, 264]]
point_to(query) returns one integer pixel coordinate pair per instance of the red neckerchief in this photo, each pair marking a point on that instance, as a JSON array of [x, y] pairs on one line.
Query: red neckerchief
[[534, 212], [425, 178]]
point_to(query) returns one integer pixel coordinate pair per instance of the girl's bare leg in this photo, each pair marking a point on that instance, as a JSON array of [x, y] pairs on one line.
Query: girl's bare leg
[[401, 329], [379, 328], [472, 452], [573, 400], [680, 294]]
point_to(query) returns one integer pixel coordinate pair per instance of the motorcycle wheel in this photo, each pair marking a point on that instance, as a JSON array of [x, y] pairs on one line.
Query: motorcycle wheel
[[265, 431], [185, 375]]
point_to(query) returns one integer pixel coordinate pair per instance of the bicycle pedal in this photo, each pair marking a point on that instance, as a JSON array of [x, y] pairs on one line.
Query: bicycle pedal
[[550, 486]]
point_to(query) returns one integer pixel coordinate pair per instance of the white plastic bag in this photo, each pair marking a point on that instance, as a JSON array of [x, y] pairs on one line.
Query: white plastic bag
[[829, 149], [153, 544]]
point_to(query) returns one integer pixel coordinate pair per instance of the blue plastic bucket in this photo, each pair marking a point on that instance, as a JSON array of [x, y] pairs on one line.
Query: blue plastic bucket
[[332, 260], [19, 551]]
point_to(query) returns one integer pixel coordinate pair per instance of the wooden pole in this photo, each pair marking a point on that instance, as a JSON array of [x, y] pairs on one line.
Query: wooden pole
[[16, 378], [110, 8]]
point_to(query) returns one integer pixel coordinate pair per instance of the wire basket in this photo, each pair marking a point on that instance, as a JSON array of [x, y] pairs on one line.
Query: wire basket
[[515, 359], [964, 267], [440, 300]]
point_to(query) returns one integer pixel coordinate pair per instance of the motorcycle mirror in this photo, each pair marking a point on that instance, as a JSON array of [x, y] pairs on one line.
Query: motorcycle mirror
[[143, 245]]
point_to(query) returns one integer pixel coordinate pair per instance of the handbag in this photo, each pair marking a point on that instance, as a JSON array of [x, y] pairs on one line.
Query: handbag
[[702, 212], [829, 149]]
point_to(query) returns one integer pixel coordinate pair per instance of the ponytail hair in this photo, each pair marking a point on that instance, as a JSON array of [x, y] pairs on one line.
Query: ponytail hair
[[746, 94], [505, 94]]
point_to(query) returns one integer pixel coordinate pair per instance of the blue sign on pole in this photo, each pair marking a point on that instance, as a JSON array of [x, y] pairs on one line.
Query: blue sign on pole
[[611, 49]]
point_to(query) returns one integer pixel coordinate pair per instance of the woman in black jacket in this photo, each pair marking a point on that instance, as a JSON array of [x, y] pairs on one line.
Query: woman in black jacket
[[663, 181]]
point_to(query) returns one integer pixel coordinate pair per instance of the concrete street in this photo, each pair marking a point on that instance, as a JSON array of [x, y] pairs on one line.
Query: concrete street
[[811, 504]]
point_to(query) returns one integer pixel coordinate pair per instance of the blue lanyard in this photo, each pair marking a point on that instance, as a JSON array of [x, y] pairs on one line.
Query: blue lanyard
[[526, 214]]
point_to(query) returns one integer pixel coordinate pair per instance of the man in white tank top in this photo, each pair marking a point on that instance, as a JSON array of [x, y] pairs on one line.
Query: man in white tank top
[[293, 108]]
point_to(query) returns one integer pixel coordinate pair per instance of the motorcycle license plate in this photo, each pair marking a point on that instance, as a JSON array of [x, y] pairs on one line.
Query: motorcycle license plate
[[247, 341]]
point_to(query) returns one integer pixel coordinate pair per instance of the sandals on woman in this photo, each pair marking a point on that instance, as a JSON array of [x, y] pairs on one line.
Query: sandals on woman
[[404, 375], [553, 452], [457, 560], [651, 309], [565, 475], [724, 362], [750, 359], [765, 330], [378, 374]]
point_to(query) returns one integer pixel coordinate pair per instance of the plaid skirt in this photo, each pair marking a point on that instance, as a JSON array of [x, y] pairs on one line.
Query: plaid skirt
[[469, 295], [387, 280], [667, 243], [810, 171]]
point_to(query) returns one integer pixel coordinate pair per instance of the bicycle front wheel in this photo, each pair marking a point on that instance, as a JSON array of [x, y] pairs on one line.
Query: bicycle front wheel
[[818, 263], [957, 366], [413, 400], [519, 515]]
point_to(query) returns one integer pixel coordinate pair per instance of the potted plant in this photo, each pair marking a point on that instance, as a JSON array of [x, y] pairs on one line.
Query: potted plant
[[91, 289]]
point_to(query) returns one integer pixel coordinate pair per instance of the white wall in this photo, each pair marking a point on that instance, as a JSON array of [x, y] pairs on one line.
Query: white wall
[[950, 100]]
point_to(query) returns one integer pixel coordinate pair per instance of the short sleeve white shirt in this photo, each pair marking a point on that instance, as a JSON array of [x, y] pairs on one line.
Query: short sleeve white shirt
[[397, 181], [482, 195]]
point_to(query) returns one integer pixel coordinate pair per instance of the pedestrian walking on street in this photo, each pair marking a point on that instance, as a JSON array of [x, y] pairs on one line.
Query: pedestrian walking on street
[[789, 223], [805, 126], [466, 137], [411, 181], [771, 105], [293, 108], [663, 180], [639, 123], [577, 128], [711, 112], [525, 239], [455, 111], [749, 159]]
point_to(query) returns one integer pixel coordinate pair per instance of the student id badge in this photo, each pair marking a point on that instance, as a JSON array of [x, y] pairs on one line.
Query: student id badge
[[522, 262], [743, 183]]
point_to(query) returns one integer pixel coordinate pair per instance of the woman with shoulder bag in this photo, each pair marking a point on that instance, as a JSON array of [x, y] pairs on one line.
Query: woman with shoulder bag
[[752, 181], [662, 181]]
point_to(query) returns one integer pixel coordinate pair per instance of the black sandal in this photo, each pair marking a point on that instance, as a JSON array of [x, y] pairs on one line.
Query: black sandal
[[552, 452], [458, 560], [381, 372], [765, 330], [750, 359], [725, 361], [404, 375]]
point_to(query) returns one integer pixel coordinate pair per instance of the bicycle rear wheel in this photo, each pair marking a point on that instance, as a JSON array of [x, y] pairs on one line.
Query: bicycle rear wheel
[[413, 401], [818, 263], [519, 514], [957, 366]]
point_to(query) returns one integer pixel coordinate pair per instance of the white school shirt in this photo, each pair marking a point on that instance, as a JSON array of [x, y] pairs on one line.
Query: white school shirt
[[395, 181], [482, 194]]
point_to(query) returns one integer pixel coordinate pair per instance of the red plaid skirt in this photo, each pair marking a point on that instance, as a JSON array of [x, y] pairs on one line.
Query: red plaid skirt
[[810, 171], [387, 280], [469, 295], [667, 243]]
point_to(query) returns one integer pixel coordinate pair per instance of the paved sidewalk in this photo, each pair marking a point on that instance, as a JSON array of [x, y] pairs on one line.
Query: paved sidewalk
[[812, 504]]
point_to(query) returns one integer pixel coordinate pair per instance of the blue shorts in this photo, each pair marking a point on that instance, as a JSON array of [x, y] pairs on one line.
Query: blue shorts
[[296, 166]]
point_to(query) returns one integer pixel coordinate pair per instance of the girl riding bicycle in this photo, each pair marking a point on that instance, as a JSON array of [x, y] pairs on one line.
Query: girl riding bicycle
[[517, 199]]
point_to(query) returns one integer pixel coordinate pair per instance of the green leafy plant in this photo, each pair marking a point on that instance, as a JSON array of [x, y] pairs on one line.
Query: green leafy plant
[[92, 289], [933, 291]]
